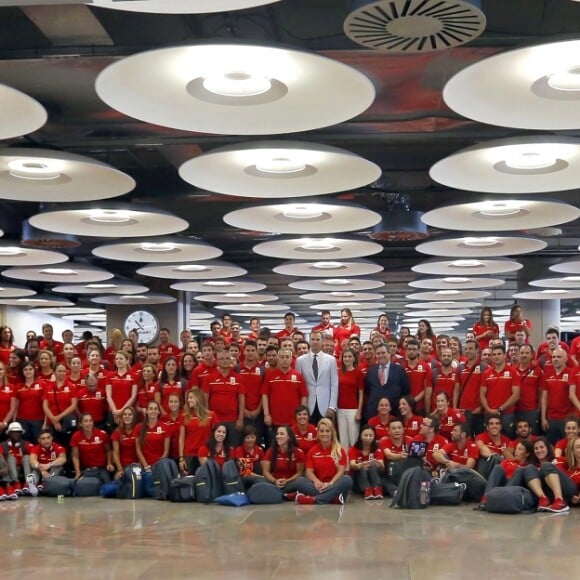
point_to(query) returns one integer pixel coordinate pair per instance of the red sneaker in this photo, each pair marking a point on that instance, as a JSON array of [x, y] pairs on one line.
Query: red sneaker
[[339, 499], [544, 504], [378, 492], [290, 496], [304, 499], [10, 493], [17, 488], [558, 506], [369, 494]]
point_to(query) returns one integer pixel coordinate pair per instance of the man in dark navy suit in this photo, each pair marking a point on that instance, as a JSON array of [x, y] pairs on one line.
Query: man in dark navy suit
[[385, 379]]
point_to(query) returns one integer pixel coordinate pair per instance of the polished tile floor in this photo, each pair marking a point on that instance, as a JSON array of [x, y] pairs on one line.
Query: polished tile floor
[[87, 538]]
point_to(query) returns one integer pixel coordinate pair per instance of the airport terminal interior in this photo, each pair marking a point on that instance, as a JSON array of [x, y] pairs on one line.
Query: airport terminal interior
[[164, 163]]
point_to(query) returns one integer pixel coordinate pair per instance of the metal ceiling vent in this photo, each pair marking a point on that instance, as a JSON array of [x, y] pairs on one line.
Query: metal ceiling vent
[[414, 26]]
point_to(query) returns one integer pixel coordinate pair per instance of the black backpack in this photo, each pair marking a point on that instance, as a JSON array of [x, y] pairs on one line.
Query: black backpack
[[512, 499], [231, 477], [182, 489], [208, 482], [474, 481], [131, 484], [413, 490], [163, 472]]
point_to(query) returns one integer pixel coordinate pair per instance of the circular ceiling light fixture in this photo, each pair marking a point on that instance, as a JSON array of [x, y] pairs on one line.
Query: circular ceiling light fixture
[[538, 164], [354, 285], [567, 267], [180, 6], [44, 300], [165, 251], [414, 26], [318, 248], [498, 216], [566, 282], [339, 296], [456, 294], [11, 291], [551, 294], [207, 271], [75, 273], [482, 246], [303, 218], [15, 256], [225, 286], [444, 304], [467, 267], [204, 88], [236, 298], [541, 79], [112, 286], [352, 305], [19, 113], [278, 169], [455, 282], [134, 299], [44, 175], [333, 269], [110, 222]]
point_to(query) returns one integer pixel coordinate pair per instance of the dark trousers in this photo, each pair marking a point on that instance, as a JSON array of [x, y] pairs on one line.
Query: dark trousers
[[342, 486]]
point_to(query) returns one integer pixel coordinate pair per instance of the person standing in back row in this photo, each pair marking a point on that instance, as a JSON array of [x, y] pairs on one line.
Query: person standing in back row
[[320, 373]]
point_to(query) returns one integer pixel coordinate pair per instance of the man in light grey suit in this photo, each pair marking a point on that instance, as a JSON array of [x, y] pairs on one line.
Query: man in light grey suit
[[320, 373]]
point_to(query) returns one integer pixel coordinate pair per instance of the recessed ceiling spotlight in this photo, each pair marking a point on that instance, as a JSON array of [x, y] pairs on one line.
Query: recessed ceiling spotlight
[[160, 247], [328, 265], [218, 283], [58, 271], [456, 280], [191, 268], [302, 212], [337, 282], [480, 242], [237, 84], [500, 208], [110, 216], [317, 244], [466, 264], [101, 286], [526, 160], [280, 164], [33, 169]]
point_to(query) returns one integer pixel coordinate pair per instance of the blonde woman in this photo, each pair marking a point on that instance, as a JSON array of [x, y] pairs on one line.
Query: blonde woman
[[115, 342], [326, 480]]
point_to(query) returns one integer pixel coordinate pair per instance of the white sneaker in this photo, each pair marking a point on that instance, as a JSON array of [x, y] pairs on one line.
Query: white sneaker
[[31, 481]]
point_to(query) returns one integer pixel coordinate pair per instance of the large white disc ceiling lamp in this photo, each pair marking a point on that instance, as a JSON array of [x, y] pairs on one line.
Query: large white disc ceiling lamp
[[466, 267], [317, 248], [37, 300], [414, 26], [551, 294], [253, 309], [179, 6], [455, 294], [166, 250], [329, 268], [134, 299], [342, 295], [111, 286], [69, 273], [18, 256], [235, 89], [225, 286], [277, 169], [444, 304], [456, 282], [352, 304], [111, 221], [501, 215], [54, 176], [237, 298], [19, 113], [540, 88], [11, 291], [330, 284], [565, 282], [567, 267], [204, 271], [481, 246], [512, 166], [303, 218]]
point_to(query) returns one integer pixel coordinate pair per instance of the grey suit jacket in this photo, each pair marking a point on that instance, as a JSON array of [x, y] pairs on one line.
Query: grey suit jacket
[[323, 391]]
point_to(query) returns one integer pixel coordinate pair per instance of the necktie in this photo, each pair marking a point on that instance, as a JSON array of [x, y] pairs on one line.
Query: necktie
[[382, 375], [315, 367]]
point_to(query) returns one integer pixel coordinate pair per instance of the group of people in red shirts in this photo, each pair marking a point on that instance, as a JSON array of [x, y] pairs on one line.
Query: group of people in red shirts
[[241, 398]]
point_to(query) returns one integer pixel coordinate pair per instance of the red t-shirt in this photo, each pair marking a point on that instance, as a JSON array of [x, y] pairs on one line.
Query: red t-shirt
[[479, 328], [250, 458], [437, 443], [285, 467], [557, 385], [168, 389], [445, 382], [121, 387], [448, 420], [381, 429], [197, 434], [7, 393], [420, 378], [470, 451], [323, 464], [200, 373], [469, 385], [93, 402], [30, 401], [498, 448], [59, 398], [223, 395], [511, 327], [344, 332], [146, 393], [499, 386], [306, 441], [510, 466], [93, 449], [48, 454], [220, 458], [167, 350], [285, 392], [154, 445], [19, 450], [412, 425], [5, 354], [575, 348], [252, 378], [127, 451], [350, 384], [388, 443], [531, 381], [358, 455]]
